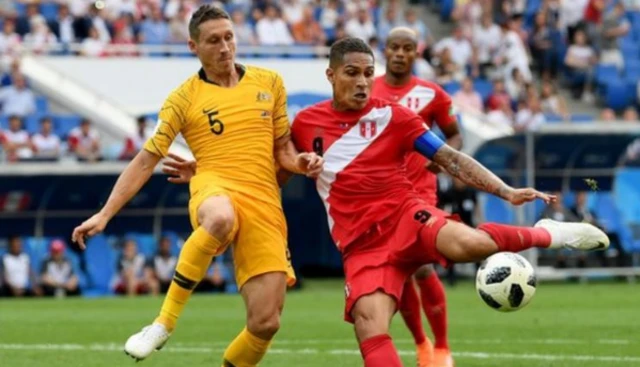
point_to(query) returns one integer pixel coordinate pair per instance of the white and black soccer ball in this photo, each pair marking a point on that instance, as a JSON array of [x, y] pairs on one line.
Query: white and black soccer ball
[[506, 281]]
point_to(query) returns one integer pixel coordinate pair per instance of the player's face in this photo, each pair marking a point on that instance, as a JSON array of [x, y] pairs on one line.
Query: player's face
[[400, 53], [352, 81], [216, 46]]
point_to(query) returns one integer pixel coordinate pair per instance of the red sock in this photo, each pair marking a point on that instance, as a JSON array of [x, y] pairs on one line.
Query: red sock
[[434, 303], [378, 351], [410, 311], [516, 239]]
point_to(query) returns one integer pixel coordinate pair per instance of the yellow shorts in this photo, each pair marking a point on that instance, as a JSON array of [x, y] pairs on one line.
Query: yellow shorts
[[259, 235]]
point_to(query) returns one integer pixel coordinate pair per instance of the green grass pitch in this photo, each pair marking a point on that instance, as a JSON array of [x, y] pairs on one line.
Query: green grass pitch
[[568, 325]]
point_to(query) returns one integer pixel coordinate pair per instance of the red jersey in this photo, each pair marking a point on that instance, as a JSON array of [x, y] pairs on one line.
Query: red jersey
[[433, 105], [364, 178]]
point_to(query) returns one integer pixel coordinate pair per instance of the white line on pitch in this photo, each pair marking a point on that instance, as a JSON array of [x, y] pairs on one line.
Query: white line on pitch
[[115, 347]]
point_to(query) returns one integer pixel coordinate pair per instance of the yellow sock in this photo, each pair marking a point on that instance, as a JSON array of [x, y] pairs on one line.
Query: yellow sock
[[245, 351], [195, 258]]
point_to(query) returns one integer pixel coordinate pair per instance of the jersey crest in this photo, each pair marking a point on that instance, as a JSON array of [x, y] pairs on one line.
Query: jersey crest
[[418, 98], [368, 129]]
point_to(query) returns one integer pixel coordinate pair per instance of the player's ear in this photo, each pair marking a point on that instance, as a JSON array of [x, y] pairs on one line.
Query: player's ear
[[330, 75], [192, 45]]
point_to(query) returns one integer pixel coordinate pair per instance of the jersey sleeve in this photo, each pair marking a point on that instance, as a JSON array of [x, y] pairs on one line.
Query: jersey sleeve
[[440, 110], [170, 122], [410, 126], [280, 117]]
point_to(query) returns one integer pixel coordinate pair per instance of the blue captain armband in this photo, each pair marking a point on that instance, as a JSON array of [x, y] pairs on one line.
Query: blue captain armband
[[428, 144]]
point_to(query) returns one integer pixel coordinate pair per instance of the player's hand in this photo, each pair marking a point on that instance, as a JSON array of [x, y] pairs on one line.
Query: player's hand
[[310, 164], [521, 196], [179, 169], [88, 228]]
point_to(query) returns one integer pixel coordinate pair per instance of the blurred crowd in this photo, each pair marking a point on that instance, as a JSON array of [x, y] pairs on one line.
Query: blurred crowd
[[62, 272]]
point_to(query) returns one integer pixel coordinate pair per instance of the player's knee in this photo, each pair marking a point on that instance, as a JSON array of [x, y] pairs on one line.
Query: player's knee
[[372, 314], [219, 223], [424, 271], [264, 325], [474, 243]]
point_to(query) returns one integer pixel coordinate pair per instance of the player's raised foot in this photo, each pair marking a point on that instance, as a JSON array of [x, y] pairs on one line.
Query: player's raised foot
[[442, 358], [577, 236], [151, 338], [424, 354]]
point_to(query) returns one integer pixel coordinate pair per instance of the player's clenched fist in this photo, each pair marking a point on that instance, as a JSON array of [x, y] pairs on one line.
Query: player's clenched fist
[[521, 196], [88, 228], [309, 164]]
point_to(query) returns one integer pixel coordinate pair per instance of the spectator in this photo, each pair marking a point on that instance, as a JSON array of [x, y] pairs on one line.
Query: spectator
[[214, 280], [460, 47], [154, 30], [62, 25], [486, 39], [9, 43], [17, 273], [542, 46], [99, 21], [580, 60], [40, 39], [123, 38], [425, 38], [244, 31], [448, 70], [552, 102], [502, 114], [14, 69], [499, 96], [582, 212], [468, 15], [593, 17], [630, 114], [272, 29], [529, 116], [307, 31], [614, 26], [46, 144], [330, 16], [163, 264], [515, 86], [56, 275], [386, 24], [93, 46], [377, 51], [608, 115], [24, 22], [512, 52], [467, 97], [179, 26], [361, 26], [84, 142], [571, 14], [16, 141], [292, 11], [133, 276], [133, 144]]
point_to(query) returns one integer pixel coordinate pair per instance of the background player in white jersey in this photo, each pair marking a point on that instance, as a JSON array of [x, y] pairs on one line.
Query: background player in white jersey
[[433, 105]]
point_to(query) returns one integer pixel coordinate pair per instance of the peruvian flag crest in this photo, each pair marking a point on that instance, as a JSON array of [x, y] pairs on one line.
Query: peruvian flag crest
[[368, 129]]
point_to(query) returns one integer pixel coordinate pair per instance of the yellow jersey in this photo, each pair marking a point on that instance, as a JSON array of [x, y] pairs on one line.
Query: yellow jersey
[[230, 131]]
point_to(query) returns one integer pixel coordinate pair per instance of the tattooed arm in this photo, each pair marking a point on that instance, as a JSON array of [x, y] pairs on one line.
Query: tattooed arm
[[472, 173]]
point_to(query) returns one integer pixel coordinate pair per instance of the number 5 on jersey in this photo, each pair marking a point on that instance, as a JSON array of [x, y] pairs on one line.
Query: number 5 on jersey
[[217, 127]]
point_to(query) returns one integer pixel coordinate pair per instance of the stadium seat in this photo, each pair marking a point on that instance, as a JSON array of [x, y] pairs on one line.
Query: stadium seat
[[64, 124], [605, 72], [617, 95], [451, 87], [32, 123], [42, 104], [582, 118], [632, 70], [37, 249], [497, 210], [484, 88], [49, 10], [147, 244], [630, 51], [4, 122], [446, 8], [101, 267]]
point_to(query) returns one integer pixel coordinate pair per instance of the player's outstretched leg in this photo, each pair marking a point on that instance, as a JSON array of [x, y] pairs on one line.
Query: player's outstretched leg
[[459, 243], [409, 308], [263, 296], [372, 314], [434, 304], [217, 219]]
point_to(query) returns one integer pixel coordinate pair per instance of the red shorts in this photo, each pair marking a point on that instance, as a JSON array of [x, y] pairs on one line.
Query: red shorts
[[385, 256]]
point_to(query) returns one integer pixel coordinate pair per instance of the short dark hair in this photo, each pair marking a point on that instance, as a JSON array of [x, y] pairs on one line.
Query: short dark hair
[[204, 13], [346, 46]]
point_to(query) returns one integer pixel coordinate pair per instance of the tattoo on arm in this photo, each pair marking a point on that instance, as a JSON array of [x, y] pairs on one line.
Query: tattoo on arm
[[469, 171]]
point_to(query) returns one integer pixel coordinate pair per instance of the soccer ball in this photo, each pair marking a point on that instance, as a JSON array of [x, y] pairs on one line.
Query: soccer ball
[[506, 281]]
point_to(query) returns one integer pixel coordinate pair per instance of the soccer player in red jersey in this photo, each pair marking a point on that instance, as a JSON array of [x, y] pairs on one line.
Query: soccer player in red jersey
[[433, 105], [383, 228]]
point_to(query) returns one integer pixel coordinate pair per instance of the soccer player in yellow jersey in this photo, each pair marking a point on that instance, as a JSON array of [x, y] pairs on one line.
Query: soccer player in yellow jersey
[[234, 120]]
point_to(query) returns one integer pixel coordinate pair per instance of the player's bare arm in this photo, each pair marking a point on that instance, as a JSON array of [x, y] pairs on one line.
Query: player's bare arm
[[137, 173], [472, 172], [288, 157]]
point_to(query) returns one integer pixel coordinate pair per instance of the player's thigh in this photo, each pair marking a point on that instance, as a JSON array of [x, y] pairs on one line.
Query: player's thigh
[[461, 243], [264, 296], [213, 209], [372, 314], [261, 242]]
